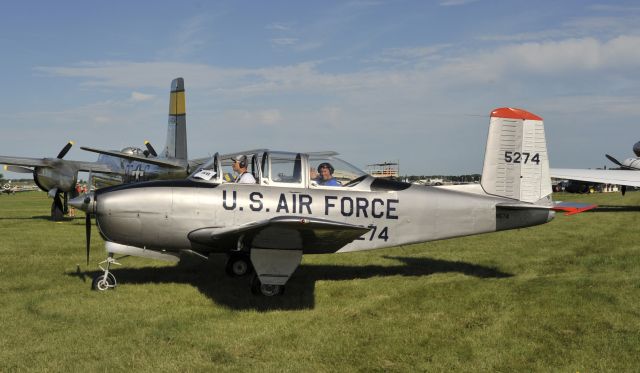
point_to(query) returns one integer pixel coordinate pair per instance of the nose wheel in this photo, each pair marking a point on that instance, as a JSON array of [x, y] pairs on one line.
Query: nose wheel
[[106, 280]]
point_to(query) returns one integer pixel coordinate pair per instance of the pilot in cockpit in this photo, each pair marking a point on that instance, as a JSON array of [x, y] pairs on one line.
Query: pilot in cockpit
[[240, 167], [325, 175]]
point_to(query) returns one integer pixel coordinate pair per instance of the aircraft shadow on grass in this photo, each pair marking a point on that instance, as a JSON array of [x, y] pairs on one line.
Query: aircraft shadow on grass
[[211, 280], [40, 217]]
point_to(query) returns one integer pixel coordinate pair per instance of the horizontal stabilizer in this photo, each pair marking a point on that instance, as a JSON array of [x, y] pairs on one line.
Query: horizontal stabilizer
[[155, 161], [572, 208]]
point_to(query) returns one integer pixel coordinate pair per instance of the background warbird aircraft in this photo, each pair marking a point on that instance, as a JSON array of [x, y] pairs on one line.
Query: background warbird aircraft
[[627, 175], [58, 176], [289, 211]]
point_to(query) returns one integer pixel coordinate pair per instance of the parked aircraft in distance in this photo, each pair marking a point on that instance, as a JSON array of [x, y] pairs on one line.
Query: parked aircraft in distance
[[59, 177], [267, 226], [627, 175]]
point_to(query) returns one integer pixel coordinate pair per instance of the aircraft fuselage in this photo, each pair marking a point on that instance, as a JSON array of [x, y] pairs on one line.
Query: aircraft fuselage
[[161, 215]]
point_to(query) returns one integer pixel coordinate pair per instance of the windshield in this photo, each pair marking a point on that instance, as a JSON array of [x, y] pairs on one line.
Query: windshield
[[207, 171], [325, 168]]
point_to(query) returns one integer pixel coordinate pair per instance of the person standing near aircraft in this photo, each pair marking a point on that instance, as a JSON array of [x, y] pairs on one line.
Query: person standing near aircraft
[[240, 167], [325, 175]]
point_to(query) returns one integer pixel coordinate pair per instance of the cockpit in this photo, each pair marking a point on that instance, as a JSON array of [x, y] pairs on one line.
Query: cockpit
[[132, 151], [282, 169]]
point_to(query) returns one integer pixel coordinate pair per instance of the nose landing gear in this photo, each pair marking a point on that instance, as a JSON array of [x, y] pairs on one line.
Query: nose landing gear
[[106, 280]]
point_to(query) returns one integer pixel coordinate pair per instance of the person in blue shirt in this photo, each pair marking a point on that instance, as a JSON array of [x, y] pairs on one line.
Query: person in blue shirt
[[325, 175]]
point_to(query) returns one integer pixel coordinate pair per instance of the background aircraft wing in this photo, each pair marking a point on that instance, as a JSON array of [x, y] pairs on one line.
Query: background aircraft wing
[[26, 162], [195, 163], [155, 161], [53, 162], [312, 235], [619, 177]]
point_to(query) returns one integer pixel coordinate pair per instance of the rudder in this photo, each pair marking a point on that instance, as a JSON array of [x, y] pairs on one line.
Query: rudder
[[176, 146]]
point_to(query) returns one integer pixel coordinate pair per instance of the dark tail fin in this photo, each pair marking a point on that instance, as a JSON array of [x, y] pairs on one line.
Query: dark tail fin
[[177, 132]]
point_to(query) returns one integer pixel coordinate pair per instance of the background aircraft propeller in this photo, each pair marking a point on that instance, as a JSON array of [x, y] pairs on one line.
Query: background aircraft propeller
[[614, 160], [65, 150], [87, 226], [150, 149]]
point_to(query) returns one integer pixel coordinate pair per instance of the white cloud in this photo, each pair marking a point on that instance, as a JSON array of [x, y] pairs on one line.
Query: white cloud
[[140, 97], [422, 104]]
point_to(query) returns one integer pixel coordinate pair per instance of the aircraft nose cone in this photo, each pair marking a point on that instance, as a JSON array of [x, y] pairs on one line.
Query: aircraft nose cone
[[84, 202]]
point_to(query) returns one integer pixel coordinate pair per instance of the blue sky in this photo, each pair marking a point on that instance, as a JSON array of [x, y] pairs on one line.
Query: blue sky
[[376, 81]]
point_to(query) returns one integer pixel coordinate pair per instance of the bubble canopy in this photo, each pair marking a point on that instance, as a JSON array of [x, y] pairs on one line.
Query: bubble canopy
[[278, 168]]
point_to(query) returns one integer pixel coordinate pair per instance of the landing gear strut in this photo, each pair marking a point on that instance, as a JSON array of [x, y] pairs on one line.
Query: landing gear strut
[[58, 207], [106, 280]]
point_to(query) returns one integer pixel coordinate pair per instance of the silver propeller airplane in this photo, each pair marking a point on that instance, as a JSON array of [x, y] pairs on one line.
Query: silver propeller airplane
[[59, 177], [627, 175], [315, 203]]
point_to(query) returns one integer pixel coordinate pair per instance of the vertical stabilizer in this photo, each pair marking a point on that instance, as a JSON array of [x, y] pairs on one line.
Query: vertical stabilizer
[[177, 132], [516, 164]]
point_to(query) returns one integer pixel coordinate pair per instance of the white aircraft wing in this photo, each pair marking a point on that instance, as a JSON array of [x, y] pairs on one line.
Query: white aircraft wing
[[619, 177], [312, 235]]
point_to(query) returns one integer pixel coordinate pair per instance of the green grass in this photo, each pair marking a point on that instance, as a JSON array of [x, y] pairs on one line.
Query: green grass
[[559, 297]]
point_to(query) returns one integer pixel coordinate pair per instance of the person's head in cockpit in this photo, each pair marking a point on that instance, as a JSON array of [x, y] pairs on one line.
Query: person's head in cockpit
[[240, 163], [325, 175]]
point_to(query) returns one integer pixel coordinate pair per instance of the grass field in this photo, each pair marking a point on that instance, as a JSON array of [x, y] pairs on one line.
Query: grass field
[[562, 297]]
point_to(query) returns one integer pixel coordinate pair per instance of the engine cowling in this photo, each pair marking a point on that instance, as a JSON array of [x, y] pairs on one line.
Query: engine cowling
[[62, 178]]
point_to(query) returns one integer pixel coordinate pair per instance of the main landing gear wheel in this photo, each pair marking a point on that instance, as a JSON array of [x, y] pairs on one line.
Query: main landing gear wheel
[[103, 282], [238, 265], [258, 288]]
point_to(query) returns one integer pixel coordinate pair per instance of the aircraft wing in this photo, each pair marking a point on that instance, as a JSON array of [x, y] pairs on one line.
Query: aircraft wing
[[312, 235], [619, 177], [25, 162], [53, 162], [154, 161]]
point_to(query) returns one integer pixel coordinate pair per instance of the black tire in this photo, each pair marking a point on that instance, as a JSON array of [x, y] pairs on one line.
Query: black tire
[[103, 283], [258, 288], [238, 265]]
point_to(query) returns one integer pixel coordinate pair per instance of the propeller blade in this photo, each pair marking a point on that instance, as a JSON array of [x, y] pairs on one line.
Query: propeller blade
[[87, 226], [624, 190], [18, 169], [613, 160], [65, 150], [150, 148]]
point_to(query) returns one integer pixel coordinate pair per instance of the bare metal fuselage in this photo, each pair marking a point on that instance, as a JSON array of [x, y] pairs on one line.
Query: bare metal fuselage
[[160, 216]]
